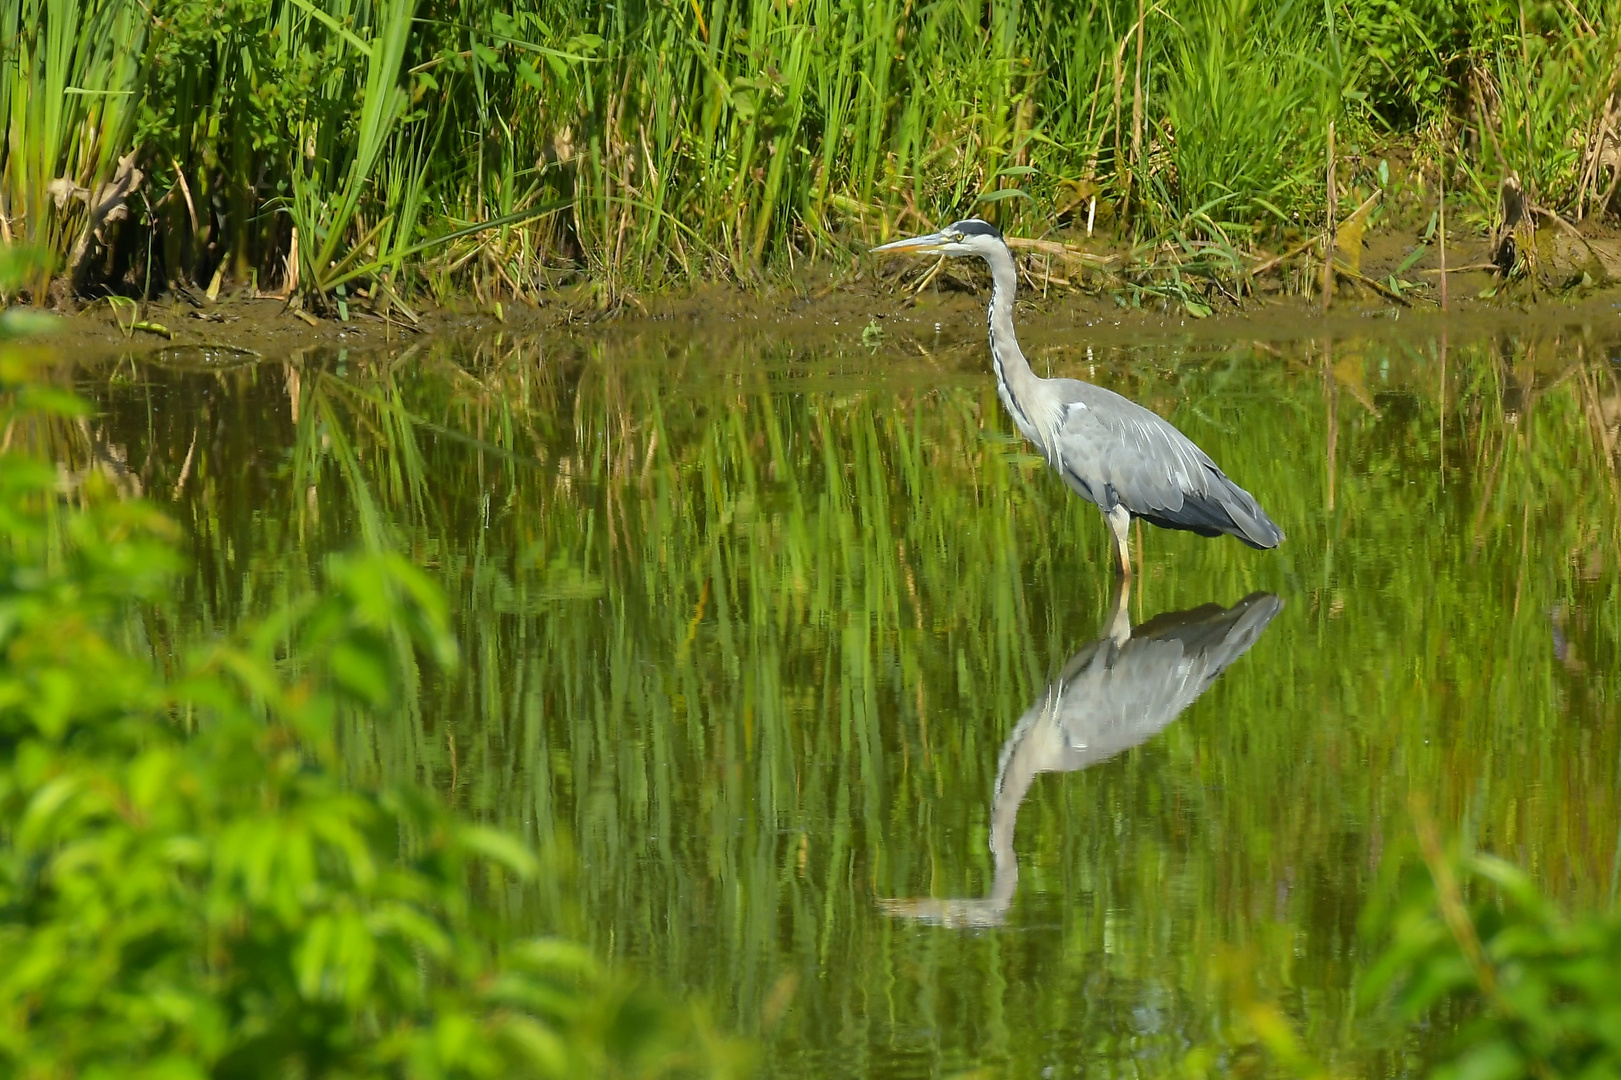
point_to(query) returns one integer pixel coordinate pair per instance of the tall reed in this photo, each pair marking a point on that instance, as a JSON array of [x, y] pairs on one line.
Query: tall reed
[[512, 148]]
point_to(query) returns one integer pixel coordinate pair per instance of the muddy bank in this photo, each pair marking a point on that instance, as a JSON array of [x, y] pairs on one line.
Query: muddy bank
[[893, 304]]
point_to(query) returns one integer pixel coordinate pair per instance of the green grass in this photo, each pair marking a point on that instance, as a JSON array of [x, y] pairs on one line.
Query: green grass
[[646, 143]]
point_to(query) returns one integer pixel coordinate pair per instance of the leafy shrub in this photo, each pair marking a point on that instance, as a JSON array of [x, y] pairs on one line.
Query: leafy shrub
[[1536, 993], [1410, 54], [188, 885], [1526, 85]]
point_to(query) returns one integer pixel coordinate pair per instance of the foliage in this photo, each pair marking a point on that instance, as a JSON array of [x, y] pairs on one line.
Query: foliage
[[1525, 88], [1473, 943], [512, 147], [1411, 54], [18, 263], [189, 884], [69, 74], [1246, 112]]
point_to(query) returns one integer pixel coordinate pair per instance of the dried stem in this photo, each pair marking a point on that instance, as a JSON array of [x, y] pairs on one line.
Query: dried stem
[[1330, 240], [1441, 234]]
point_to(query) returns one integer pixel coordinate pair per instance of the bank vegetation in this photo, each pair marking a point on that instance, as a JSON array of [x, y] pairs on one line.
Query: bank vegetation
[[370, 152]]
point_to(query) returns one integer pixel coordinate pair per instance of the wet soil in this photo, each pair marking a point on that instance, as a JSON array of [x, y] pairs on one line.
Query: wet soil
[[867, 305]]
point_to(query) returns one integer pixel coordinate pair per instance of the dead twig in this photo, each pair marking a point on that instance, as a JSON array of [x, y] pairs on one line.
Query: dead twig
[[1461, 269], [1377, 286], [1331, 239], [1441, 237], [1063, 251], [1277, 260]]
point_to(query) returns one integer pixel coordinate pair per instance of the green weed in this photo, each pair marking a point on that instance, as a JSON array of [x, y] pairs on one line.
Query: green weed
[[510, 149]]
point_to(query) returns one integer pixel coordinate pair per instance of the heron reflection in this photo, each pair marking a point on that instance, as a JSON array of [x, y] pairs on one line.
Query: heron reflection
[[1114, 693]]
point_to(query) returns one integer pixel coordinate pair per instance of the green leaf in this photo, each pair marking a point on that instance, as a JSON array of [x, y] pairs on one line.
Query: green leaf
[[1003, 195], [18, 322], [362, 666], [362, 47], [500, 847], [1494, 1060]]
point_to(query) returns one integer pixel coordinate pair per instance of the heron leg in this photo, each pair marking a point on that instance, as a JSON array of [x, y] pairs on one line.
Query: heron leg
[[1119, 520], [1118, 628]]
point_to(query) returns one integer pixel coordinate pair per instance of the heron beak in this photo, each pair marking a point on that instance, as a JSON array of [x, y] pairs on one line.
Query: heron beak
[[915, 245]]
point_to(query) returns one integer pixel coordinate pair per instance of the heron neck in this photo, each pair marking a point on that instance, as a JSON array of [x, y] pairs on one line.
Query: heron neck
[[1021, 759], [1014, 379], [1004, 818]]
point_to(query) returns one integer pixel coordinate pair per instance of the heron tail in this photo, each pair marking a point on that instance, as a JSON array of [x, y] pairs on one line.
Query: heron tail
[[1249, 522], [1223, 509]]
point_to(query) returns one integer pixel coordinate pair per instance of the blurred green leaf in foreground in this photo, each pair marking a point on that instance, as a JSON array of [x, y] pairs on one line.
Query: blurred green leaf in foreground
[[1533, 993], [188, 885], [17, 263], [1490, 977]]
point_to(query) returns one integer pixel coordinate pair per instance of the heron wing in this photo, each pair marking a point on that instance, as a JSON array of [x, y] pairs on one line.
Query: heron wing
[[1112, 450], [1109, 700]]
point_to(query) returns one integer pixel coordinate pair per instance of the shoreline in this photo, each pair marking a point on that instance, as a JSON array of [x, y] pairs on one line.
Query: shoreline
[[831, 306]]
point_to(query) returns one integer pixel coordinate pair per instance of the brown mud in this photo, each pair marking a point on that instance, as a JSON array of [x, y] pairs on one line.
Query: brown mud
[[874, 304]]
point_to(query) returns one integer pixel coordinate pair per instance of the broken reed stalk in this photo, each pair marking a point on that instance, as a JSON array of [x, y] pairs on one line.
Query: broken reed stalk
[[1137, 98], [1278, 260], [1441, 232], [1119, 86], [1329, 239], [1442, 451], [1063, 251], [1331, 402]]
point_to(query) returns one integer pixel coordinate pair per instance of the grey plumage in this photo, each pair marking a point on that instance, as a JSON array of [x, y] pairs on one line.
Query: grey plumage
[[1121, 690], [1113, 694], [1111, 450], [1108, 449]]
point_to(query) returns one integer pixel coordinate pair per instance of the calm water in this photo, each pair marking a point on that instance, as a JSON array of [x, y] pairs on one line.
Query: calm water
[[814, 676]]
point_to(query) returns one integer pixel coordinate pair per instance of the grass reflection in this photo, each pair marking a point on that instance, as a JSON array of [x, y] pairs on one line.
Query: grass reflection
[[747, 625]]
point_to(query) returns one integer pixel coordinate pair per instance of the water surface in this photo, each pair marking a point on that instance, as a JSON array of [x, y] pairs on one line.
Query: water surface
[[815, 680]]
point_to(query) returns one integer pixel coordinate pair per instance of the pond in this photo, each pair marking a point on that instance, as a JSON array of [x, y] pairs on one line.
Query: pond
[[814, 685]]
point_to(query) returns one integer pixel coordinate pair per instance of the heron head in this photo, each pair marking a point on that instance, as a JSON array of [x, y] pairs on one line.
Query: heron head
[[970, 236]]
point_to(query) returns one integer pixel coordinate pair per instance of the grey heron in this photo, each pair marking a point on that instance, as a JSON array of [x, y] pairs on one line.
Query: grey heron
[[1111, 451], [1114, 693]]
